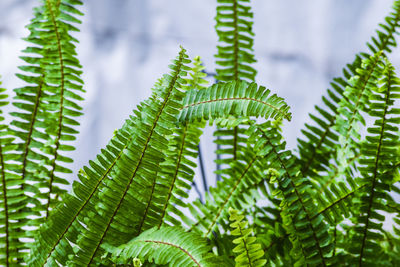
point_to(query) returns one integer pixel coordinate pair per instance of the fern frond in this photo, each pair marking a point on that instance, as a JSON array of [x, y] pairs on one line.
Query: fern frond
[[333, 191], [311, 241], [248, 250], [167, 245], [47, 106], [321, 141], [234, 29], [45, 118], [125, 200], [12, 199], [111, 184], [53, 245], [235, 55], [237, 98], [380, 154], [356, 101], [178, 168]]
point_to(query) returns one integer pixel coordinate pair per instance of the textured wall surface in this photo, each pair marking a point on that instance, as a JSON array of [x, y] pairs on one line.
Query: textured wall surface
[[125, 45]]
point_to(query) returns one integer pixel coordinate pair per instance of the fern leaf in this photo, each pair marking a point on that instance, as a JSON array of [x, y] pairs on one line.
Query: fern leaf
[[103, 180], [11, 197], [380, 154], [333, 193], [124, 198], [167, 245], [311, 241], [234, 29], [177, 170], [248, 250], [321, 141], [237, 98], [47, 107], [52, 245], [235, 53], [350, 108]]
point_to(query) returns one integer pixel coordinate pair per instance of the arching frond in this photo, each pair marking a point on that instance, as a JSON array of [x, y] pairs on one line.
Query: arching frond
[[237, 98], [380, 154], [321, 141], [167, 245], [124, 199], [111, 186], [356, 101], [178, 168]]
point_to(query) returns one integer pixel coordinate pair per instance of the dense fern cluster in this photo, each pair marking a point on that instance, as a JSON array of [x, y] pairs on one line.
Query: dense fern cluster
[[324, 204]]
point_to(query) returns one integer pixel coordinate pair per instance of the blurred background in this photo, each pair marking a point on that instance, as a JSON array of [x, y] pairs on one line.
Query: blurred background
[[125, 45]]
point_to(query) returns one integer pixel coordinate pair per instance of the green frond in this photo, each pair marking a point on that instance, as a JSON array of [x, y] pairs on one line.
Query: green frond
[[356, 101], [237, 98], [380, 154], [248, 250], [235, 35], [335, 189], [122, 177], [320, 142], [12, 198], [127, 200], [235, 56], [47, 106], [311, 241], [177, 171], [53, 245], [167, 245], [44, 119]]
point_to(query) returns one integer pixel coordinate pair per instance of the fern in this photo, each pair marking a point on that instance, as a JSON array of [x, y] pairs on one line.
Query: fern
[[233, 98], [130, 205], [310, 238], [379, 150], [234, 58], [179, 166], [45, 119], [166, 245], [234, 29], [11, 196], [249, 252], [322, 140]]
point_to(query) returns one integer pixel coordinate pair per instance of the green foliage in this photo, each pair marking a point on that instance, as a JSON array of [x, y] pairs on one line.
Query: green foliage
[[167, 245], [234, 29], [248, 251], [323, 206], [237, 98]]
